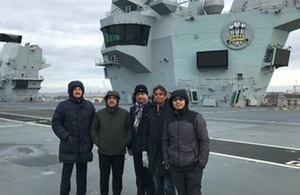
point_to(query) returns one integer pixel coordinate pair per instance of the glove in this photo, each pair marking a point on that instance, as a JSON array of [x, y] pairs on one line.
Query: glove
[[145, 159]]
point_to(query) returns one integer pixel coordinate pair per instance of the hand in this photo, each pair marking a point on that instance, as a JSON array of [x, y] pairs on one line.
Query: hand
[[145, 159]]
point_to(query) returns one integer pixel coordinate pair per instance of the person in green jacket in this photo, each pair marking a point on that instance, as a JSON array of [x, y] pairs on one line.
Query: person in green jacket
[[111, 132]]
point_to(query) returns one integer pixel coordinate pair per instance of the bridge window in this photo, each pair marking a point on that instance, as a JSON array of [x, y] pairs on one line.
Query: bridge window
[[126, 34]]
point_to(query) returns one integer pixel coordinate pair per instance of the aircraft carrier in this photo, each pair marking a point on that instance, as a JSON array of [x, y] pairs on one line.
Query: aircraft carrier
[[253, 151], [19, 69], [222, 59]]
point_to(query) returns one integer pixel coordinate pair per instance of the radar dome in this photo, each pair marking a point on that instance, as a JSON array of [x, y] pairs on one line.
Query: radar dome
[[213, 6]]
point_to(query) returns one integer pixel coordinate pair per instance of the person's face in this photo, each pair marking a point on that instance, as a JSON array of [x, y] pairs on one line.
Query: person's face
[[159, 96], [112, 101], [141, 97], [178, 102], [77, 92]]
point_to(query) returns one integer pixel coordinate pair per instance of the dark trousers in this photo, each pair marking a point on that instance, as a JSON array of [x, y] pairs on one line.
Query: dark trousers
[[81, 171], [144, 179], [164, 185], [187, 182], [116, 163]]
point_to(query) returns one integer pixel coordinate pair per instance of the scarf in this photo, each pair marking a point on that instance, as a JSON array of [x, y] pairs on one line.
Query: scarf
[[138, 114]]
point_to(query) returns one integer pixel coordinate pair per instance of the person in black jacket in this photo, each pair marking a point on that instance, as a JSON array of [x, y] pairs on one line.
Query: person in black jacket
[[185, 145], [111, 131], [152, 143], [138, 118], [71, 123]]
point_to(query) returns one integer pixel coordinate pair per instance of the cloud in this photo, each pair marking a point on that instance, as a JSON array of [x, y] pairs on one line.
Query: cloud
[[69, 33]]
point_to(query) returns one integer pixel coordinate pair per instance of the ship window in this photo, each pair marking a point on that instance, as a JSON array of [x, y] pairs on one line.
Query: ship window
[[126, 34], [240, 76], [212, 59], [21, 84]]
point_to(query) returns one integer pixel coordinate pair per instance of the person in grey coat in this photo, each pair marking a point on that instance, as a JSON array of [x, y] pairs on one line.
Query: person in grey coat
[[111, 132], [185, 145], [71, 123]]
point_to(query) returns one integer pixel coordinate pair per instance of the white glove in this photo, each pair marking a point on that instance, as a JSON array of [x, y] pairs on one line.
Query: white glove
[[145, 159]]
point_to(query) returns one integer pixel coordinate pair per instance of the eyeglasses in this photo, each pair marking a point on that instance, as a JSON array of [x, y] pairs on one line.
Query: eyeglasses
[[175, 99]]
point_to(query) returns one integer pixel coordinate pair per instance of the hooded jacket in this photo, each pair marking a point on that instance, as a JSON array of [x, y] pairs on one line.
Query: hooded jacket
[[71, 123], [111, 130], [185, 137]]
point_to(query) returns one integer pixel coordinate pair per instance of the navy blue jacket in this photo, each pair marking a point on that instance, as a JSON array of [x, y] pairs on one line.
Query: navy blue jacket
[[137, 137], [71, 123]]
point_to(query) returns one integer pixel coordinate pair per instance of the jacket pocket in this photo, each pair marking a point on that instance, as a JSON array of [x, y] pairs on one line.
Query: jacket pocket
[[70, 146]]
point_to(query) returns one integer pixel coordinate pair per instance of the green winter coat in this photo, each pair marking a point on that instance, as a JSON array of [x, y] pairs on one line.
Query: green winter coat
[[111, 131]]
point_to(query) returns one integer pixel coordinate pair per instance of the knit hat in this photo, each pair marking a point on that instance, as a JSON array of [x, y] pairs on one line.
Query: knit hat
[[72, 85], [140, 88]]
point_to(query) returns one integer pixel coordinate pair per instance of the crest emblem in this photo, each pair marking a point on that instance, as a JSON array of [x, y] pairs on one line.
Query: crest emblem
[[237, 35]]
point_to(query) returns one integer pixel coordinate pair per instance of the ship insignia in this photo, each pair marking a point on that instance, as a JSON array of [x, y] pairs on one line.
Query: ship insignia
[[237, 35]]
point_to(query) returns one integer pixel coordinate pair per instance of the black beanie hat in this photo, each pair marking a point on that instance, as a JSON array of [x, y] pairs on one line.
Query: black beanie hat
[[140, 88]]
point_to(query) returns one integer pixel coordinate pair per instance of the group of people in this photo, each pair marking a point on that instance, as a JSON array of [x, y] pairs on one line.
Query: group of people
[[169, 143]]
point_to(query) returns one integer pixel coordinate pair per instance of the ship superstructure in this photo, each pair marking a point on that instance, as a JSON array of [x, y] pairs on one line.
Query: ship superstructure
[[222, 59], [19, 69]]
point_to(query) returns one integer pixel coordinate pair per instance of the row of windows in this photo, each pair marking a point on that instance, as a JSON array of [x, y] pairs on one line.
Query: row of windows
[[126, 34]]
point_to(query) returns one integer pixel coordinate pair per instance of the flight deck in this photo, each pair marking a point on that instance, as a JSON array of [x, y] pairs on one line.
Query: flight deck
[[253, 151]]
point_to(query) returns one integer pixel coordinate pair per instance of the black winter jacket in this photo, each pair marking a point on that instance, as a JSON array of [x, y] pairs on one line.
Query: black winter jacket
[[152, 142], [111, 131], [137, 137], [71, 123], [185, 139]]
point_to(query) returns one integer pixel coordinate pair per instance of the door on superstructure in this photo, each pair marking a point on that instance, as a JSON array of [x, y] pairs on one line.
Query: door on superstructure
[[194, 96]]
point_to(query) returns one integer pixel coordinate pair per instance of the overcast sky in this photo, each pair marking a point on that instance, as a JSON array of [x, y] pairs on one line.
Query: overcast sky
[[68, 32]]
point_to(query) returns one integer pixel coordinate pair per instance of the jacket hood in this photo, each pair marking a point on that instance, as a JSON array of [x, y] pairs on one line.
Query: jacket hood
[[181, 93], [72, 85], [112, 93]]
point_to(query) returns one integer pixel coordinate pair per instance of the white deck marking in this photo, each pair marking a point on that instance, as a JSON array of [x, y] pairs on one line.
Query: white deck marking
[[253, 121], [22, 115], [8, 126], [254, 143], [255, 160], [26, 123]]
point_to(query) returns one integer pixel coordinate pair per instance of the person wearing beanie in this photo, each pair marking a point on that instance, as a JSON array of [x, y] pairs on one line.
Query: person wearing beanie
[[152, 143], [71, 123], [138, 118], [111, 132], [185, 145]]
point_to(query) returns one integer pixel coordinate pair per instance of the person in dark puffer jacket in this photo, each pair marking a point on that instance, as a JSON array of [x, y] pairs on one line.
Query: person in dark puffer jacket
[[185, 145], [71, 123]]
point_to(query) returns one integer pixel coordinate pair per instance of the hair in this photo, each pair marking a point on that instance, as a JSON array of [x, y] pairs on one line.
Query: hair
[[160, 87]]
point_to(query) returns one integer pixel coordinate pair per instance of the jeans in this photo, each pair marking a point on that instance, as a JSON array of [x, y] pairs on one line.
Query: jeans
[[163, 185]]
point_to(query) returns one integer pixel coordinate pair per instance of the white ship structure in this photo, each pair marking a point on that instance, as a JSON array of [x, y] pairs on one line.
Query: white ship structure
[[222, 59], [19, 69]]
